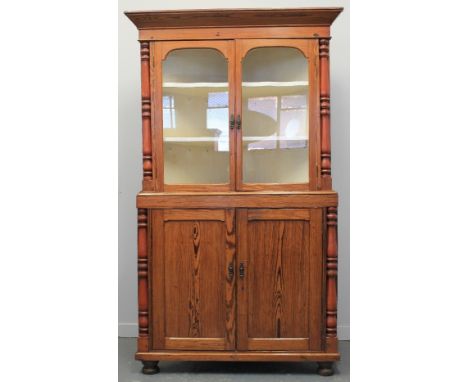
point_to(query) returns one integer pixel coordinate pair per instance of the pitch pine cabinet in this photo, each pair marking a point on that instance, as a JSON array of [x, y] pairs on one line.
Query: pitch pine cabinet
[[237, 219]]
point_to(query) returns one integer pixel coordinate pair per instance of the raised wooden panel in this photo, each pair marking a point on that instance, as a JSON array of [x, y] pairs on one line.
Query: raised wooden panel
[[281, 214], [194, 264], [279, 296], [193, 303], [277, 279], [193, 343], [197, 214], [291, 344]]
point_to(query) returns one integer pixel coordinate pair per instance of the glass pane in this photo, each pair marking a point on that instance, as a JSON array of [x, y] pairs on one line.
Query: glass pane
[[195, 117], [275, 116]]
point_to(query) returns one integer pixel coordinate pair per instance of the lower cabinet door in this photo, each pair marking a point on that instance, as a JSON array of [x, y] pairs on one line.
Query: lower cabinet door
[[280, 273], [192, 279]]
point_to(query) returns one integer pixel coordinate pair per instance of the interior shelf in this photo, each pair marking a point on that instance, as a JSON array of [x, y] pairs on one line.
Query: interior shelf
[[273, 138], [194, 139], [195, 85], [225, 84], [245, 139]]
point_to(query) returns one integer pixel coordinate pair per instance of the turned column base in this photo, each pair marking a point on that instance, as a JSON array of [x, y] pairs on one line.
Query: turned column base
[[150, 367], [325, 369]]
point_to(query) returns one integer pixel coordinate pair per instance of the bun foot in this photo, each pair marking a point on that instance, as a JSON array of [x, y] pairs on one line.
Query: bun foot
[[150, 367], [325, 369]]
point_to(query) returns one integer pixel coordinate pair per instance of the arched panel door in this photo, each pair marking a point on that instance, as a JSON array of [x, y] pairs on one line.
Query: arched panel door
[[196, 99], [277, 114]]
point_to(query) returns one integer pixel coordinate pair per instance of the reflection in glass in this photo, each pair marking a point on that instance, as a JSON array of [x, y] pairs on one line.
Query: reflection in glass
[[195, 117], [168, 112], [275, 136]]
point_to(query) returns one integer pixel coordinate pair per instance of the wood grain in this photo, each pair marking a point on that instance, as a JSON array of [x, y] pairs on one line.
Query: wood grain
[[198, 214], [146, 116], [314, 115], [242, 285], [280, 214], [230, 293], [325, 166], [269, 186], [226, 33], [238, 110], [221, 46], [194, 279], [237, 200], [247, 45], [201, 188], [157, 115], [281, 253], [277, 292], [316, 279], [143, 309], [289, 344], [181, 343], [248, 356], [193, 303], [196, 247], [332, 273], [232, 112], [194, 285], [158, 280], [233, 17]]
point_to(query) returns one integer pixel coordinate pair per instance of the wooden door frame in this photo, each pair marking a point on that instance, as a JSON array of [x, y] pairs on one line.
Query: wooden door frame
[[159, 341], [160, 51], [309, 48], [315, 340]]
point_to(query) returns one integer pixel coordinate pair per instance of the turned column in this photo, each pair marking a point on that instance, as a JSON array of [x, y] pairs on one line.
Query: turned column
[[146, 116], [143, 314], [325, 144], [331, 341]]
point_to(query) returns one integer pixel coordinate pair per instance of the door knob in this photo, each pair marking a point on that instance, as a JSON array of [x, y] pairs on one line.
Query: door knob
[[241, 270], [230, 272], [232, 122], [238, 122]]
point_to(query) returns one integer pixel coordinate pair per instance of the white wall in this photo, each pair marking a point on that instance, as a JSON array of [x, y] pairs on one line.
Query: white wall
[[130, 171]]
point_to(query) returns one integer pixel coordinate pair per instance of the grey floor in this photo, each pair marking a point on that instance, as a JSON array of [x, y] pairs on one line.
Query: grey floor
[[129, 369]]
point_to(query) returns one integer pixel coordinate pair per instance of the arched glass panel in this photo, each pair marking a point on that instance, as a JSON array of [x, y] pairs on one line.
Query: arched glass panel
[[195, 117], [275, 116]]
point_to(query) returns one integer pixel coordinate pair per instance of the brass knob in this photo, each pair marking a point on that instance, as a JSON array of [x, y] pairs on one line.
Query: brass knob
[[241, 270], [230, 272], [238, 122], [232, 122]]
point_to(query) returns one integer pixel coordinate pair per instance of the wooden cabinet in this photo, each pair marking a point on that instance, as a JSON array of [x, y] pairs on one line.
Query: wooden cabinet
[[237, 256]]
